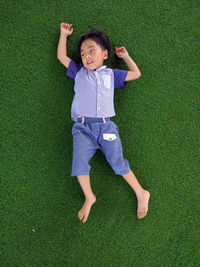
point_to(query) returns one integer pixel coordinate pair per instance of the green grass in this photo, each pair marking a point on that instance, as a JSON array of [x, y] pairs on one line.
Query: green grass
[[158, 118]]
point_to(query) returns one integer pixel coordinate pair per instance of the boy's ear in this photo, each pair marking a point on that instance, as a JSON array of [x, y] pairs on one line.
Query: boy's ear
[[105, 54]]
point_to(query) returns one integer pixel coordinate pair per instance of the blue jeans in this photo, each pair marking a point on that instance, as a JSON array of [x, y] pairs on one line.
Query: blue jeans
[[94, 134]]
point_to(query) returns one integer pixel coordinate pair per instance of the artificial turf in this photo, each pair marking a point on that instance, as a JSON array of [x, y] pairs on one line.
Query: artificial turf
[[158, 120]]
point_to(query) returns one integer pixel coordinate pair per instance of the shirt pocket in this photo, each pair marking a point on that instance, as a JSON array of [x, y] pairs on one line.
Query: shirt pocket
[[109, 137], [107, 80]]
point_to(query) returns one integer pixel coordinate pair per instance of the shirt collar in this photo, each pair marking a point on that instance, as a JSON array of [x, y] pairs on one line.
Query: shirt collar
[[99, 69]]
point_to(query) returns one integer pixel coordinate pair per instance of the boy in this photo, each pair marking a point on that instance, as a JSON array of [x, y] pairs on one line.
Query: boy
[[91, 110]]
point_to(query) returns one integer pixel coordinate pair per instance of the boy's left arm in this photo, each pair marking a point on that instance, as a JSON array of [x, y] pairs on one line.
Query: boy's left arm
[[133, 71]]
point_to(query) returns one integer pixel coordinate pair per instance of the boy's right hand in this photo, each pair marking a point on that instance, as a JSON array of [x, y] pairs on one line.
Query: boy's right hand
[[66, 29]]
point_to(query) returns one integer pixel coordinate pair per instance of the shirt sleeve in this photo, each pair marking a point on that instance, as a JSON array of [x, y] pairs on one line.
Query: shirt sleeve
[[73, 69], [119, 77]]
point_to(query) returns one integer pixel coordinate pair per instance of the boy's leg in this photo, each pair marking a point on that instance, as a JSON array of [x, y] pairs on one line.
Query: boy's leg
[[84, 147], [90, 198], [114, 154], [142, 195]]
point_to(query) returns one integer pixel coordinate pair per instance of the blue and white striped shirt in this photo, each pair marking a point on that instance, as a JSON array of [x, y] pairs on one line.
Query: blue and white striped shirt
[[94, 90]]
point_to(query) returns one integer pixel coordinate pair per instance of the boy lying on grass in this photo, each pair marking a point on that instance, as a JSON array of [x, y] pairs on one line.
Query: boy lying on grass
[[92, 108]]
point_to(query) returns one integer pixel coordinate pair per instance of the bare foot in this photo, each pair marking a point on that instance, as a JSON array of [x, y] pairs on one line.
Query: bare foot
[[143, 200], [85, 210]]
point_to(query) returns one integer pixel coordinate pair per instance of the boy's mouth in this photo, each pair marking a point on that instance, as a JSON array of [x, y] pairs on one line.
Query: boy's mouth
[[89, 62]]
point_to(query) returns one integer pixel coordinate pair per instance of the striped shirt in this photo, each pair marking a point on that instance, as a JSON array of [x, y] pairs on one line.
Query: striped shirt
[[94, 90]]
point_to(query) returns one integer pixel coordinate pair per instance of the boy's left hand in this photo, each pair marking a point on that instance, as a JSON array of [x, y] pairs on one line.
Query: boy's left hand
[[121, 52]]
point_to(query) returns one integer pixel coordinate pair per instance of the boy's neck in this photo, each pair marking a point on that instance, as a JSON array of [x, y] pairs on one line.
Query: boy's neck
[[103, 66]]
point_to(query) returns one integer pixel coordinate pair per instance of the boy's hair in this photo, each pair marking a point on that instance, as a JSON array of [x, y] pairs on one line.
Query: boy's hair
[[99, 37]]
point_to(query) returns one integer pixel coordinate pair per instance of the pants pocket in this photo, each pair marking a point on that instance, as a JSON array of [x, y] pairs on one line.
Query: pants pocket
[[109, 136]]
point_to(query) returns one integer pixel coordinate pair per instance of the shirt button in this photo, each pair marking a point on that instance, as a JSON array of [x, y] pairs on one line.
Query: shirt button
[[98, 108], [99, 83], [99, 95]]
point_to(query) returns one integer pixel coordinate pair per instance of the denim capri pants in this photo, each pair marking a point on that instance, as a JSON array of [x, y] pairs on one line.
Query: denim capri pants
[[91, 134]]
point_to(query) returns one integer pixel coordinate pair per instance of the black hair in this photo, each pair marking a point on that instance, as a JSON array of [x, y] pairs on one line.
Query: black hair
[[99, 37]]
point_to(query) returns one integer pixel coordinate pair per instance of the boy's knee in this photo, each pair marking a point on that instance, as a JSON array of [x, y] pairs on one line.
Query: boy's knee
[[120, 168], [80, 167]]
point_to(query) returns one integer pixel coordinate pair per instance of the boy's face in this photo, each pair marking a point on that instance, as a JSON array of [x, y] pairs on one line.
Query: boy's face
[[92, 54]]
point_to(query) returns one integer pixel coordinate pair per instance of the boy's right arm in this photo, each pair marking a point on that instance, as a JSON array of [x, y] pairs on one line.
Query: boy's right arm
[[65, 31]]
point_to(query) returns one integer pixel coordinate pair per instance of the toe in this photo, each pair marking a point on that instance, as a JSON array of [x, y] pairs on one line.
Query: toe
[[142, 214], [80, 215], [85, 218]]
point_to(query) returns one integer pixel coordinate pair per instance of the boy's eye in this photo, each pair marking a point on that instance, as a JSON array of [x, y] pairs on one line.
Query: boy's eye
[[90, 51]]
